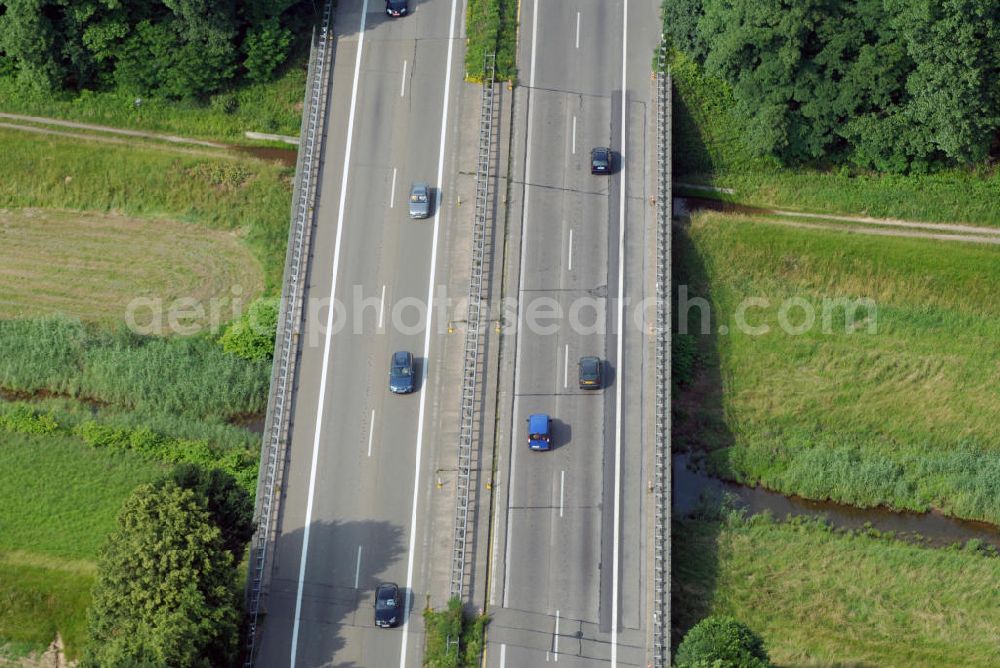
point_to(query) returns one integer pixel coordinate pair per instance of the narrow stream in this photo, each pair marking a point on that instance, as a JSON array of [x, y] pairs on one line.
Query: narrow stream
[[286, 156], [691, 485]]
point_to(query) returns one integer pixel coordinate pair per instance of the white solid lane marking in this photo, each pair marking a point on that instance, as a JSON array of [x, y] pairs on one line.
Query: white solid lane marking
[[574, 135], [619, 370], [357, 569], [562, 489], [381, 308], [371, 432], [329, 339], [555, 639], [570, 261], [520, 309], [493, 566], [427, 335], [392, 190], [402, 84], [566, 368], [503, 655], [578, 30]]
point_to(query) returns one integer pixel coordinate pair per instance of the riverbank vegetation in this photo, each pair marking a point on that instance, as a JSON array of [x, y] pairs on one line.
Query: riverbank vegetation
[[210, 71], [821, 597], [786, 144], [89, 407], [842, 366]]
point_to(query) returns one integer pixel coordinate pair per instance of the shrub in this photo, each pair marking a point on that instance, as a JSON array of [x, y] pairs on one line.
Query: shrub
[[23, 420], [722, 642], [252, 336]]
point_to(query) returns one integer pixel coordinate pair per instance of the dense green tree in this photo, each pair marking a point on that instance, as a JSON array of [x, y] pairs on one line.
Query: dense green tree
[[169, 48], [266, 47], [228, 504], [894, 85], [29, 36], [955, 86], [165, 592], [721, 642]]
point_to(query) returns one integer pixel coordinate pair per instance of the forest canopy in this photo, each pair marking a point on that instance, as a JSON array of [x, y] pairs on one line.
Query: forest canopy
[[891, 85], [167, 48]]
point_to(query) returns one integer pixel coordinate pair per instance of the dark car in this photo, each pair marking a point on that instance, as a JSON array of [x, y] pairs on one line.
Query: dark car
[[590, 373], [388, 605], [401, 376], [395, 7], [600, 160], [539, 431]]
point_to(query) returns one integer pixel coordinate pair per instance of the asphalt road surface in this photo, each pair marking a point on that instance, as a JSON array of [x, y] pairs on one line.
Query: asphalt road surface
[[569, 556], [358, 467]]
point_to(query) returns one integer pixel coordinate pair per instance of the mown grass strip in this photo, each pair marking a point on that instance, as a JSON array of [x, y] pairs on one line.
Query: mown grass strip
[[84, 265], [249, 199], [491, 27], [824, 597]]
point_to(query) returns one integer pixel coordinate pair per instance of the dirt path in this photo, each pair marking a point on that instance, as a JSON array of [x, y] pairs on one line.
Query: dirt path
[[222, 152], [887, 227], [987, 238], [110, 130]]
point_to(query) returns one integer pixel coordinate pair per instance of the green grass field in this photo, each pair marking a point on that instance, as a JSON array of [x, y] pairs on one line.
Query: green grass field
[[708, 150], [825, 598], [58, 500], [905, 415], [245, 198]]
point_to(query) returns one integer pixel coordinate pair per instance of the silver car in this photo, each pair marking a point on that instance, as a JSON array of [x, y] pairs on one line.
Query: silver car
[[420, 200]]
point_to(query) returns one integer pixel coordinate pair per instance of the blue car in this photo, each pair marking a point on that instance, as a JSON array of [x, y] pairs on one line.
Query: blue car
[[539, 431], [401, 377]]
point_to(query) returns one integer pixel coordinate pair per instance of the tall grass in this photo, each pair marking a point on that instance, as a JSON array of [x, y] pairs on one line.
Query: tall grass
[[822, 598], [709, 149], [181, 376], [904, 414], [250, 198]]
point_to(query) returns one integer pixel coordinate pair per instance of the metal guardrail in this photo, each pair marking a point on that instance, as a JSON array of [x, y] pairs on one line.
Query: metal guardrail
[[662, 482], [472, 329], [289, 323]]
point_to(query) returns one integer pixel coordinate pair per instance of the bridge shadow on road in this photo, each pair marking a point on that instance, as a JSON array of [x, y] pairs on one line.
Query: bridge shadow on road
[[336, 618]]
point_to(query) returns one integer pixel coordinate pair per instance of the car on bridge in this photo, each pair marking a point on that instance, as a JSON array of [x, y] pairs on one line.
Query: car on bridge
[[401, 375], [396, 7], [539, 431], [388, 605], [590, 373], [420, 200], [600, 160]]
